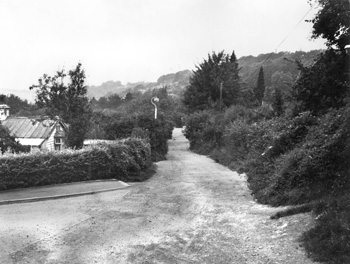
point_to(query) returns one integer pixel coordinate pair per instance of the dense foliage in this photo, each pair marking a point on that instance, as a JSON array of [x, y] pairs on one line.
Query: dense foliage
[[323, 85], [158, 131], [259, 89], [138, 115], [204, 90], [121, 160], [332, 22], [288, 161], [16, 104], [66, 101], [295, 148], [9, 143]]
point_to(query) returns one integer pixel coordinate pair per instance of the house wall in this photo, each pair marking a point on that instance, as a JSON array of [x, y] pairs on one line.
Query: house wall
[[50, 142]]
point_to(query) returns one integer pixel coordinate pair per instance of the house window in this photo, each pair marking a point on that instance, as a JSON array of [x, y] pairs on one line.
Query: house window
[[58, 143]]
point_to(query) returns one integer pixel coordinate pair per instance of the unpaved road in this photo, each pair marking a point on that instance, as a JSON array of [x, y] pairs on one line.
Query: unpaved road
[[192, 211]]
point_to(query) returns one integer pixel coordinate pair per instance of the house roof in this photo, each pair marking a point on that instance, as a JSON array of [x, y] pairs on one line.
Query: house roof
[[26, 127]]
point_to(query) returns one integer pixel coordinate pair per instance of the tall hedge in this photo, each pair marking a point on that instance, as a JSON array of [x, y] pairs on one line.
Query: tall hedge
[[122, 160], [158, 131]]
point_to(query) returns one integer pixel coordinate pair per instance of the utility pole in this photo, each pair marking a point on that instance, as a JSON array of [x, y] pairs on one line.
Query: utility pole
[[220, 96]]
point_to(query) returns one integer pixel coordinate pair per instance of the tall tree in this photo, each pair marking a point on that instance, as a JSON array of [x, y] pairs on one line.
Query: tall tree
[[325, 84], [332, 22], [204, 89], [259, 89], [67, 101], [277, 101]]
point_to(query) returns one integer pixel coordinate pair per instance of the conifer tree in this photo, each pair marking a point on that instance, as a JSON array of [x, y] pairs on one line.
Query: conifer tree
[[259, 90]]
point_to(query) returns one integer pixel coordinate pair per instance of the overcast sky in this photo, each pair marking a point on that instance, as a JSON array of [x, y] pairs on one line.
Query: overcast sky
[[139, 40]]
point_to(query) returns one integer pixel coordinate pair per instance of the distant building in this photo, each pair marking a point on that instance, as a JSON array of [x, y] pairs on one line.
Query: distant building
[[4, 111], [35, 132]]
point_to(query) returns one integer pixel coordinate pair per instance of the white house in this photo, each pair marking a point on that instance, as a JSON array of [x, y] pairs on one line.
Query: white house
[[4, 111]]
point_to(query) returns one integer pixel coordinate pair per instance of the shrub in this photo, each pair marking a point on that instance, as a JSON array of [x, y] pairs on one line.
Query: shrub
[[123, 161], [143, 125], [259, 171], [142, 133], [195, 125], [8, 143], [237, 139], [238, 112], [329, 240], [318, 167], [267, 144]]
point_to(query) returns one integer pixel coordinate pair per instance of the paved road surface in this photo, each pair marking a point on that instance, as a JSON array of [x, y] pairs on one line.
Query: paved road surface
[[192, 211]]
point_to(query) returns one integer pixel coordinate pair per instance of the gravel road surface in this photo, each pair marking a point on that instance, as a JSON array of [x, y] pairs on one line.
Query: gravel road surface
[[192, 210]]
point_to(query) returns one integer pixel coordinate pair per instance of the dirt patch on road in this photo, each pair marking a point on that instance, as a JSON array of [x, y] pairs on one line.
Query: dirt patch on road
[[192, 210]]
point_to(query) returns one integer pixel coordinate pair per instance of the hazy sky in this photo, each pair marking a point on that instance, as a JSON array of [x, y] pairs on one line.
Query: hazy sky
[[139, 40]]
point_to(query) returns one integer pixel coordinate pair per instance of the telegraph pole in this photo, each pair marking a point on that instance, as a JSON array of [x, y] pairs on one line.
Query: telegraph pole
[[220, 96]]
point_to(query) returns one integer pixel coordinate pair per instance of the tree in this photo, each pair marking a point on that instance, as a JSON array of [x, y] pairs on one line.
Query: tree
[[332, 22], [204, 89], [277, 102], [114, 101], [16, 104], [325, 84], [128, 97], [103, 102], [67, 101], [259, 89], [9, 143]]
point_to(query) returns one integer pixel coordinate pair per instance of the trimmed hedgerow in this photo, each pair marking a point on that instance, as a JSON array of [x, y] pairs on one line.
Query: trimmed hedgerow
[[157, 132], [122, 160]]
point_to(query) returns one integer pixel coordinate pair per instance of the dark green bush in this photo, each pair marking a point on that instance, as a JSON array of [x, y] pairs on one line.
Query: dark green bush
[[318, 167], [158, 131], [237, 139], [230, 136], [329, 240], [123, 161], [195, 124], [9, 143], [259, 171], [139, 132], [293, 133]]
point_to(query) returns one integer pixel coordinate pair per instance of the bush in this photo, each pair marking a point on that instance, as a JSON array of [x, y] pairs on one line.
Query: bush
[[237, 139], [123, 161], [143, 125], [329, 240], [230, 136], [238, 112], [319, 166], [259, 171]]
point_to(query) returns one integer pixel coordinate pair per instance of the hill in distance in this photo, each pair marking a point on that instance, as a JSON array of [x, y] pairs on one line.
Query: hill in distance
[[176, 82], [280, 70]]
